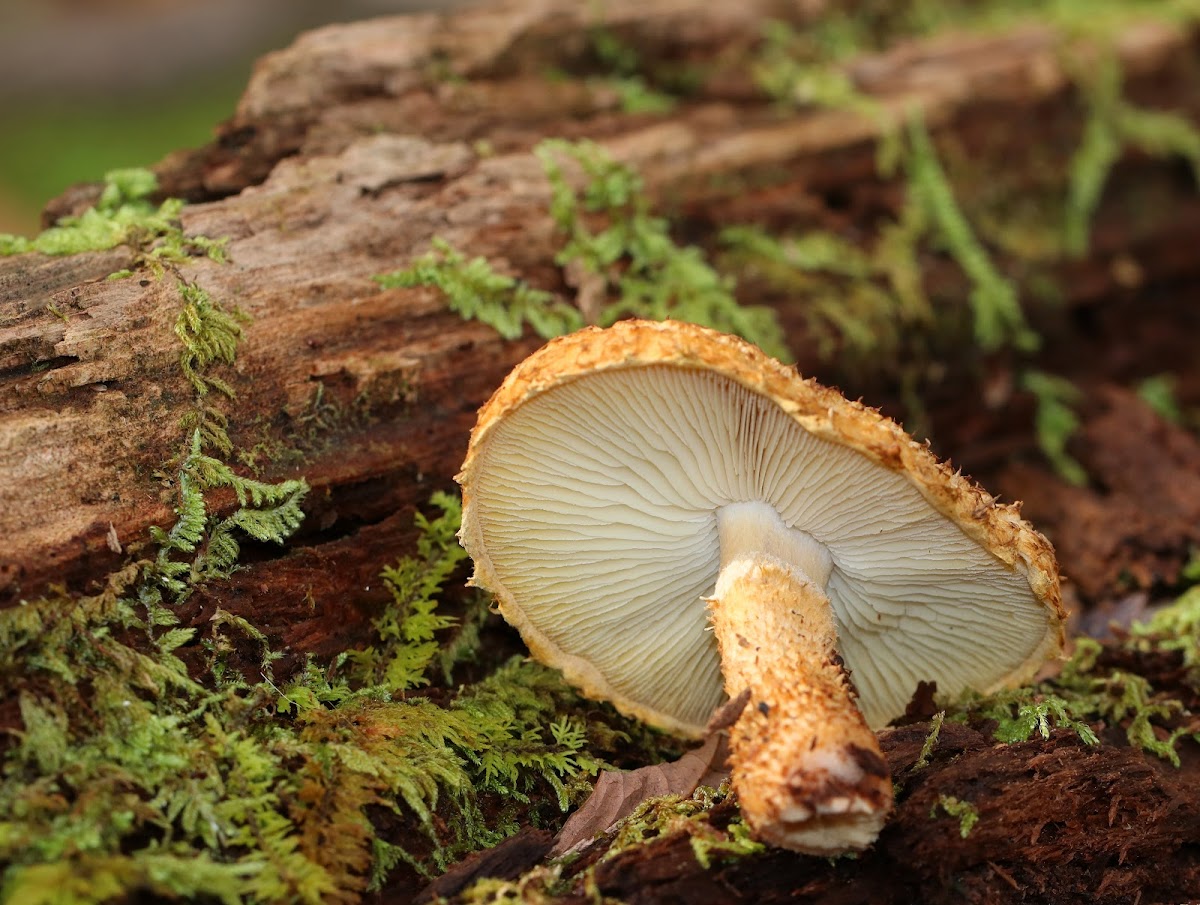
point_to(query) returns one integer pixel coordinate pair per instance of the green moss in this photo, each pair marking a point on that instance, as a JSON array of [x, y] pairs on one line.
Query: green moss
[[807, 67], [643, 272], [1087, 694], [860, 306], [125, 759], [863, 313], [998, 317], [966, 813], [626, 74], [1055, 421], [1158, 392], [1019, 715], [935, 730], [1112, 125], [667, 815], [123, 215], [475, 291], [409, 626], [640, 270], [132, 775]]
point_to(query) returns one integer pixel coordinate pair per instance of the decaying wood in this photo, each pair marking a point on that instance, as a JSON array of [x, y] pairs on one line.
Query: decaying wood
[[356, 146], [1137, 523], [1057, 822]]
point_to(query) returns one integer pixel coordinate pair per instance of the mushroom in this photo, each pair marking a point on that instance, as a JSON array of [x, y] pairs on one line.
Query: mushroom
[[670, 517]]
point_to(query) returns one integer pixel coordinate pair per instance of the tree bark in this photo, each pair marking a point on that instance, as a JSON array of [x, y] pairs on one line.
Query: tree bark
[[356, 146]]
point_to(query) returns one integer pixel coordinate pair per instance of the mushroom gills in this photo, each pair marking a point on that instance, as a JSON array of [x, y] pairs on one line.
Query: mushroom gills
[[807, 768]]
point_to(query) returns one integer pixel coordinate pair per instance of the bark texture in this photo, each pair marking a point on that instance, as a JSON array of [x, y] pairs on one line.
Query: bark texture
[[1058, 822], [354, 147]]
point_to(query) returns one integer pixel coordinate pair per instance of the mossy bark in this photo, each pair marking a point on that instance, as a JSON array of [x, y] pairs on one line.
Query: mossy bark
[[351, 150]]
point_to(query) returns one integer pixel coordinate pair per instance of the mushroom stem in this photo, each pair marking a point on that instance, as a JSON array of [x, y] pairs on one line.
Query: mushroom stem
[[806, 767]]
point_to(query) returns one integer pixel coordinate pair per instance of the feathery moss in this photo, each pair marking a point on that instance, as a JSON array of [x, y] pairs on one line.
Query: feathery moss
[[639, 269], [1089, 694], [966, 813], [124, 214], [475, 291]]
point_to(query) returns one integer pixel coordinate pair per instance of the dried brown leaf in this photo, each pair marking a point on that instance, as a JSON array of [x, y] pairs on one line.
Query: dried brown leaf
[[617, 794]]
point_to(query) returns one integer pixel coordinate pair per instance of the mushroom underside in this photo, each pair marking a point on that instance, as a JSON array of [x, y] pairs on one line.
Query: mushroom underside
[[603, 494], [619, 478]]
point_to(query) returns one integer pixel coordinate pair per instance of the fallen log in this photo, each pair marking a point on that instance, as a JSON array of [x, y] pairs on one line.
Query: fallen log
[[352, 149]]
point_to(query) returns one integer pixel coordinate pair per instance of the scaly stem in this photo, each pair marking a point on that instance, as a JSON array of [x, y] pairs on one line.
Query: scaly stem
[[806, 767]]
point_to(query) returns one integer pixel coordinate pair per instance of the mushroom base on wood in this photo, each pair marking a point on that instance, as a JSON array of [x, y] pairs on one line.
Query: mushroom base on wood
[[807, 769]]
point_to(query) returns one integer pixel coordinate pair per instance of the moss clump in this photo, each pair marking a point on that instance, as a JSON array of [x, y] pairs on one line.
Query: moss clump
[[475, 291], [132, 772], [129, 774], [931, 216], [1055, 421], [860, 306], [626, 74], [638, 268], [966, 813], [1089, 695], [808, 68], [1112, 125], [123, 215]]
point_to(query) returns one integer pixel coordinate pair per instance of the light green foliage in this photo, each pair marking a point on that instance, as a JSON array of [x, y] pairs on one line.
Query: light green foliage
[[1123, 698], [799, 68], [1112, 125], [1018, 716], [1055, 421], [131, 776], [209, 334], [408, 627], [1086, 693], [734, 842], [137, 777], [935, 730], [859, 305], [806, 67], [1176, 627], [626, 76], [123, 215], [644, 272], [477, 292], [266, 512], [1190, 572], [1158, 392], [669, 814], [998, 317], [966, 813]]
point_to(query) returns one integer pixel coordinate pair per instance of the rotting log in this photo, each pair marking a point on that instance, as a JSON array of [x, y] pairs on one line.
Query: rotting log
[[353, 148], [1057, 822]]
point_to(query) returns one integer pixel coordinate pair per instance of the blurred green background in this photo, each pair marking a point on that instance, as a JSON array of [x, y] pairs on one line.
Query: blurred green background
[[89, 85]]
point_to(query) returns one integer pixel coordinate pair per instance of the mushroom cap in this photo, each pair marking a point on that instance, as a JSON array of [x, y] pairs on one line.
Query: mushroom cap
[[590, 496]]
